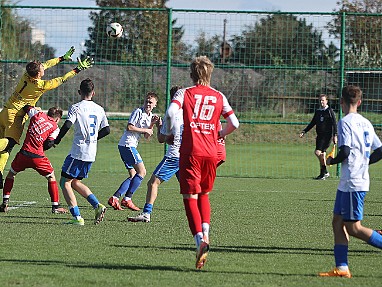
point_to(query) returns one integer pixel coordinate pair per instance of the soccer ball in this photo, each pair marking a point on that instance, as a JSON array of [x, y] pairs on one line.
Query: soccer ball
[[114, 30]]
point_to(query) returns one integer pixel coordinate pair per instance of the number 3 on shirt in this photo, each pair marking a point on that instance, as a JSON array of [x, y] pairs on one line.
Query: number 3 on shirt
[[366, 138], [206, 111], [93, 124]]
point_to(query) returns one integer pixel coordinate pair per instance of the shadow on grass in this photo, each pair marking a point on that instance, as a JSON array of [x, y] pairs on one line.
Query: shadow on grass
[[146, 267], [252, 249]]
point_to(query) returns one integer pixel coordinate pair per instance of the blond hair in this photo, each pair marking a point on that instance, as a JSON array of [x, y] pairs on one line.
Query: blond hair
[[201, 70]]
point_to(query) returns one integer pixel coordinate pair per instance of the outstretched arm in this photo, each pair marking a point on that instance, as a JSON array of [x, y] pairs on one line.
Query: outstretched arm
[[83, 64]]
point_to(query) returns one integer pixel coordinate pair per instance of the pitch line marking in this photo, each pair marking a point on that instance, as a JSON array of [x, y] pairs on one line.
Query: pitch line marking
[[22, 204]]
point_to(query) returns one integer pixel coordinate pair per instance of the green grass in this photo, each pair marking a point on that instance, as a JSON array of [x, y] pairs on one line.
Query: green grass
[[264, 232]]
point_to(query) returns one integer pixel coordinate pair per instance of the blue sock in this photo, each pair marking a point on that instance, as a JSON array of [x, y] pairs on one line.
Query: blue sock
[[92, 199], [148, 208], [341, 254], [75, 211], [135, 183], [123, 188], [375, 240]]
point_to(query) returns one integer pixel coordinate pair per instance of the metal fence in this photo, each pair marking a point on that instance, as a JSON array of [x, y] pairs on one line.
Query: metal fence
[[272, 66]]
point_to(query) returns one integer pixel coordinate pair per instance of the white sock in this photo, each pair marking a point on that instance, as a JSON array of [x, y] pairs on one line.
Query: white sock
[[198, 238], [343, 268], [206, 229]]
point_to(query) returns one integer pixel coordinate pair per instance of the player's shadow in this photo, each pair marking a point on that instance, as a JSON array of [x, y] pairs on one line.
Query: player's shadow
[[252, 249], [147, 266]]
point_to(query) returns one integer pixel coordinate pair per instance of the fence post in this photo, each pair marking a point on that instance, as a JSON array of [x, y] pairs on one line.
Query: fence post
[[168, 66], [342, 70]]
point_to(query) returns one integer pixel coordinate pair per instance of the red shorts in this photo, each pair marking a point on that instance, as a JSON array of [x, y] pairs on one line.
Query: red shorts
[[196, 174], [41, 164]]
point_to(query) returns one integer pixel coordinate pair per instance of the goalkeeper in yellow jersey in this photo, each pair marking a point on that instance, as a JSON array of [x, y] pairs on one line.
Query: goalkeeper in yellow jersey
[[28, 91]]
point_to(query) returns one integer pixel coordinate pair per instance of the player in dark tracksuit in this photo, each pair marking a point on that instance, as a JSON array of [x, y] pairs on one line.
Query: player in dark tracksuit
[[326, 128]]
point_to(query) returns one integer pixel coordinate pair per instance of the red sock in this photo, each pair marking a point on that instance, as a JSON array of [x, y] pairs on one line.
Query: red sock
[[204, 208], [193, 215], [8, 185], [53, 191]]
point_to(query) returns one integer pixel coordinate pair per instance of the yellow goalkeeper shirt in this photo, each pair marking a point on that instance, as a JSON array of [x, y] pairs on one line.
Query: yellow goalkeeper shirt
[[29, 90]]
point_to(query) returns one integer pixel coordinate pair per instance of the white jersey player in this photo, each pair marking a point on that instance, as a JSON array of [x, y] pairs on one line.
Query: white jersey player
[[167, 167], [141, 122], [359, 146], [90, 124], [88, 118]]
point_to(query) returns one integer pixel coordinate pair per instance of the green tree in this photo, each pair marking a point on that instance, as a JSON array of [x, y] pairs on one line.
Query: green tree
[[207, 46], [145, 32], [280, 39], [363, 32], [16, 37]]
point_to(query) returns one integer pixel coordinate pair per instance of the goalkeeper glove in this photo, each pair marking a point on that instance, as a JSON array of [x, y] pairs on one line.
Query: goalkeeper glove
[[84, 64], [68, 54]]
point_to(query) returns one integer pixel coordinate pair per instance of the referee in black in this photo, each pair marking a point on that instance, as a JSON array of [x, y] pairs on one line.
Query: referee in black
[[326, 128]]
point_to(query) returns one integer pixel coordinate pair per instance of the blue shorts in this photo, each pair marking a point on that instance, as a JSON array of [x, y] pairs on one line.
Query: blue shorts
[[349, 205], [75, 168], [167, 168], [130, 156]]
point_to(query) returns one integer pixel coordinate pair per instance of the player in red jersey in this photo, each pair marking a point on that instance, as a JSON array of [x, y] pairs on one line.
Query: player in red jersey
[[202, 107], [42, 131]]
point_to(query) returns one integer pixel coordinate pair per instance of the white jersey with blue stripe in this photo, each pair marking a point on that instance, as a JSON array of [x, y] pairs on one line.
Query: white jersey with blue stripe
[[140, 119], [88, 118], [358, 133], [173, 150]]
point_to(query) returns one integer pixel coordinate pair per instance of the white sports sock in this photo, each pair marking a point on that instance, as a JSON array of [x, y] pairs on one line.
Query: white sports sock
[[206, 229], [198, 238], [343, 268]]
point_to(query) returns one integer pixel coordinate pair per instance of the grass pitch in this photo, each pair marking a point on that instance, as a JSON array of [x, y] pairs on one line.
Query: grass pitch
[[264, 232]]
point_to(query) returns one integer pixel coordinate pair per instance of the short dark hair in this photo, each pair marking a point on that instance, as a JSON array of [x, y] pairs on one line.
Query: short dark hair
[[86, 87], [351, 94], [33, 68], [55, 112], [152, 95], [173, 91]]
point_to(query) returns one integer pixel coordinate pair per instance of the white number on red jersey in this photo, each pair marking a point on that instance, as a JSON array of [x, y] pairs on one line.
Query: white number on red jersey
[[207, 110]]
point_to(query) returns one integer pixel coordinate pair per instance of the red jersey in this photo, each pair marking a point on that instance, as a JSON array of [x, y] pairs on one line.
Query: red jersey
[[202, 108], [41, 127]]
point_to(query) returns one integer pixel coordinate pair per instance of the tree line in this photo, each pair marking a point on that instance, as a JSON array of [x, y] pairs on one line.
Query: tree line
[[277, 39]]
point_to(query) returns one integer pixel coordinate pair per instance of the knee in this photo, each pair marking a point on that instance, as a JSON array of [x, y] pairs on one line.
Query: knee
[[142, 172], [51, 177], [150, 183], [353, 229], [153, 182], [317, 153]]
